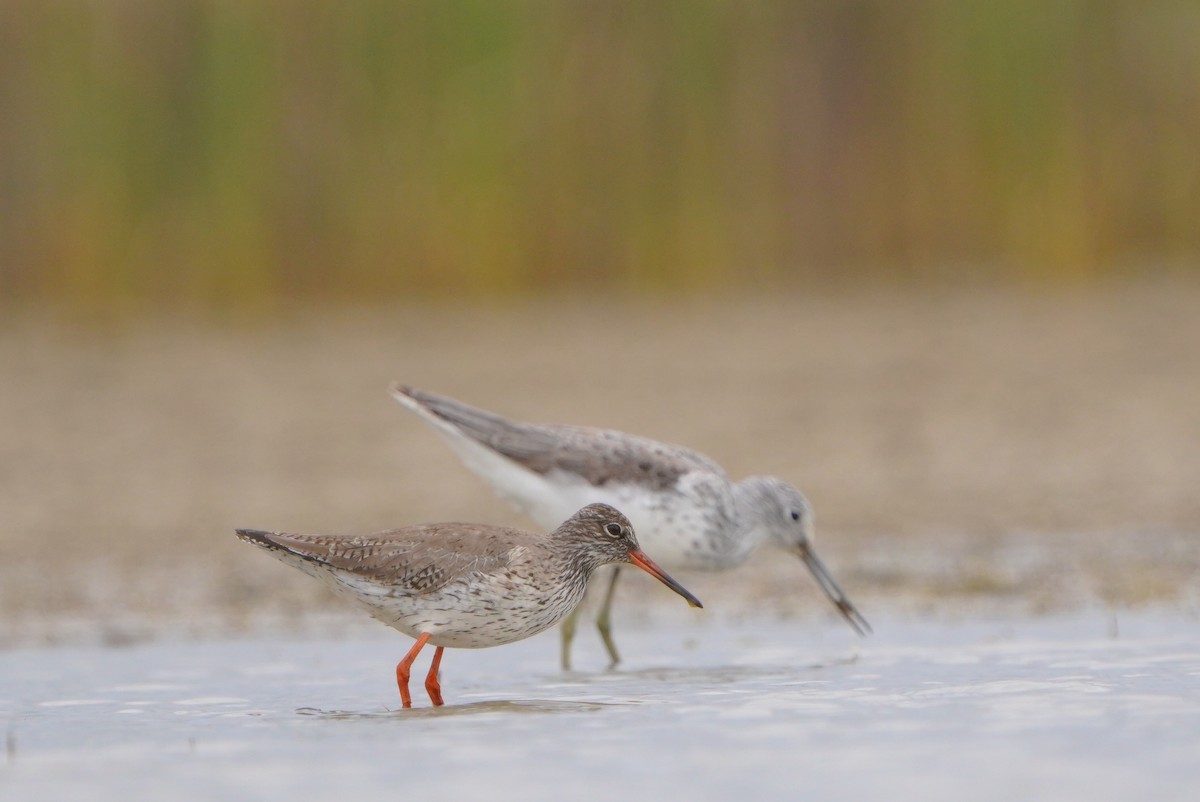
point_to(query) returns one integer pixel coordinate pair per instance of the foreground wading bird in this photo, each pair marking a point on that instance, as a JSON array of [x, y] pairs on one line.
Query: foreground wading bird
[[466, 586], [686, 509]]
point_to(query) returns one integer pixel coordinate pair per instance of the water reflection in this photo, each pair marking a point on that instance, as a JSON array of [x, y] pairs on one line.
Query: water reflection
[[696, 675], [502, 706]]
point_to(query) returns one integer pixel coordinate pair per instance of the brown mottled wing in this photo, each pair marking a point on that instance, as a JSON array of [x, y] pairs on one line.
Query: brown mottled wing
[[421, 559], [599, 456]]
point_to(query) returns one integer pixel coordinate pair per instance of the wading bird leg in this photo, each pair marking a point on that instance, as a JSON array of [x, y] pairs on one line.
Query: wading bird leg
[[568, 636], [431, 681], [404, 669], [604, 619]]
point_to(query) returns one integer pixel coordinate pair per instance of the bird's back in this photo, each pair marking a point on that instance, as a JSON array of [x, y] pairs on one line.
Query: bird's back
[[596, 456], [466, 585], [419, 558], [679, 500]]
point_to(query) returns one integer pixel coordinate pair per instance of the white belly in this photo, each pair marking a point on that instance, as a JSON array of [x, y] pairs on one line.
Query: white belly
[[475, 612]]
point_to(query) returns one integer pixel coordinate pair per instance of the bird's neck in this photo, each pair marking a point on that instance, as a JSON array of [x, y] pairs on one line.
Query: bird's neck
[[576, 558], [749, 522]]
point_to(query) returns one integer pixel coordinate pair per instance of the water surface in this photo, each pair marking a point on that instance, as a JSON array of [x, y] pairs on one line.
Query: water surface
[[1079, 707]]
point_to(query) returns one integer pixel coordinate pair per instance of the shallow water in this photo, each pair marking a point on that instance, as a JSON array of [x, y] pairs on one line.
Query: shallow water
[[1078, 707]]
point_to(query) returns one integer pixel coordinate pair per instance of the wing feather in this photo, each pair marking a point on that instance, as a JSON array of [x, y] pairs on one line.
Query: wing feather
[[419, 559], [599, 456]]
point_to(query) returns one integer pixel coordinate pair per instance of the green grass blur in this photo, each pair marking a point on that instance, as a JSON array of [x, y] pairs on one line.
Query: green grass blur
[[238, 152]]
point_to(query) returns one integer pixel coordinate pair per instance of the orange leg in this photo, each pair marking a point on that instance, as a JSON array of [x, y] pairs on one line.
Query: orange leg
[[404, 669], [431, 681]]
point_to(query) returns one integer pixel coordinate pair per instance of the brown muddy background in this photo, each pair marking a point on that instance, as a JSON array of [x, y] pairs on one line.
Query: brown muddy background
[[961, 446], [935, 263]]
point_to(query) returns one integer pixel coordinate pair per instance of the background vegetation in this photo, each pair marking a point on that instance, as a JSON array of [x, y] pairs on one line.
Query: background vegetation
[[217, 152]]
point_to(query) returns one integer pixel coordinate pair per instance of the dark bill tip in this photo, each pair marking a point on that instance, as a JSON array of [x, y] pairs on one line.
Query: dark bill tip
[[639, 558], [835, 594]]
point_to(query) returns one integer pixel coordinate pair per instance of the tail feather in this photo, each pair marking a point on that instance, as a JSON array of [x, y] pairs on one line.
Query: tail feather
[[456, 417], [405, 395], [258, 537]]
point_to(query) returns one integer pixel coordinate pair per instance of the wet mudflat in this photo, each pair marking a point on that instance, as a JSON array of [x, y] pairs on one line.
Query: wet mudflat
[[1089, 706], [993, 472]]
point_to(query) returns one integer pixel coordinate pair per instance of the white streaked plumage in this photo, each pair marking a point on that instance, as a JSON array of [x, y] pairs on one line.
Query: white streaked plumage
[[465, 585], [682, 503]]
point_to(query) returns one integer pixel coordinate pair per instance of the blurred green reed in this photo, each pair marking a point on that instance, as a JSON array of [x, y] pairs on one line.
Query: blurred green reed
[[219, 152]]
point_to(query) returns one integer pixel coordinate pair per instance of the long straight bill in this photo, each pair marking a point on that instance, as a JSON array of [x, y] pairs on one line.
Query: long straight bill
[[639, 558], [821, 574]]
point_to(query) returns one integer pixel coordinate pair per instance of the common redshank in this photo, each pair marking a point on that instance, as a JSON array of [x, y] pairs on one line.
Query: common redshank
[[683, 503], [466, 586]]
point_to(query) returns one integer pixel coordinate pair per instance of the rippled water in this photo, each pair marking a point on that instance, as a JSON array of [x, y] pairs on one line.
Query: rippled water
[[1079, 707]]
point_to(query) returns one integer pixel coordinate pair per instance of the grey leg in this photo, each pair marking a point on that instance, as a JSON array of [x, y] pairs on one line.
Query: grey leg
[[568, 635], [604, 619]]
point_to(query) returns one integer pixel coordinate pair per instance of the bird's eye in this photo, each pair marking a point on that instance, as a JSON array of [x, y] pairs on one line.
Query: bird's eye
[[614, 529], [795, 515]]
